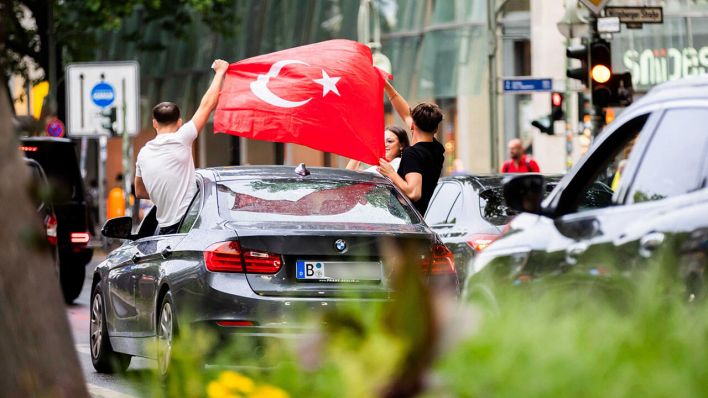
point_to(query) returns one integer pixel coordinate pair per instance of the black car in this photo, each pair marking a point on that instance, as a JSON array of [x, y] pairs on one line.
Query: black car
[[39, 193], [469, 212], [654, 160], [57, 157], [257, 246]]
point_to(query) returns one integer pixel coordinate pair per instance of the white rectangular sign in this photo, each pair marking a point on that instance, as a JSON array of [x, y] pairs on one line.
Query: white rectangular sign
[[608, 25], [94, 90]]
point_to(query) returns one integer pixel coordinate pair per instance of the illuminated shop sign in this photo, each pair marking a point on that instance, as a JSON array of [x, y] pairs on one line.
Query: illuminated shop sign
[[653, 66]]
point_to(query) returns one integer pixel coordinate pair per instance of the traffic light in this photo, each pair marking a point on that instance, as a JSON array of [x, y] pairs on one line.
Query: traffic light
[[108, 119], [579, 52], [601, 72], [622, 89], [557, 100]]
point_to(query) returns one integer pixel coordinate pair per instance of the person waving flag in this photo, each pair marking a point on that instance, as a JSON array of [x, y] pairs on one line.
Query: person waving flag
[[327, 96]]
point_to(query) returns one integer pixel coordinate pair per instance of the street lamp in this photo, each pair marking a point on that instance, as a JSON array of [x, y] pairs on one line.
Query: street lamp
[[574, 23], [366, 9]]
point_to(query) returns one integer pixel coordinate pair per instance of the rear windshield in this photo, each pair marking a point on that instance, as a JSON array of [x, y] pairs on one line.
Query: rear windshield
[[291, 200], [493, 207], [62, 170]]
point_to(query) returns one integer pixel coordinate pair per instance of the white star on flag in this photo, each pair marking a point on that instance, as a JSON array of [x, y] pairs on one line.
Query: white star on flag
[[328, 83]]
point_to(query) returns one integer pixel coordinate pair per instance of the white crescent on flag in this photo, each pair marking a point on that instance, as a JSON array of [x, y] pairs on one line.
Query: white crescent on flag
[[259, 87]]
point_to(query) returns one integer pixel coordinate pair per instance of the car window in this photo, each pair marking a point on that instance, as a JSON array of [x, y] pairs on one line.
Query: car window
[[192, 214], [673, 161], [592, 186], [456, 210], [322, 201], [439, 209]]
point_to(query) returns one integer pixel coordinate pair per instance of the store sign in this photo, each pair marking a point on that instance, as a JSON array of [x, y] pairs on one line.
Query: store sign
[[653, 66]]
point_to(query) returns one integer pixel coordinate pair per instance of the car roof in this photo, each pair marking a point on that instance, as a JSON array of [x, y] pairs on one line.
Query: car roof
[[692, 87], [328, 173]]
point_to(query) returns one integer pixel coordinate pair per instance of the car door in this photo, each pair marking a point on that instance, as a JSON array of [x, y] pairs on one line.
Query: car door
[[664, 165], [154, 260]]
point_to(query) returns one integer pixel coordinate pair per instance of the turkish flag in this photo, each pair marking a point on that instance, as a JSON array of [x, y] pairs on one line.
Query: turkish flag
[[327, 96]]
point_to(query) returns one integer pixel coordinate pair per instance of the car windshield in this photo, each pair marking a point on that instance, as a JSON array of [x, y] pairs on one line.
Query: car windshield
[[493, 207], [295, 200]]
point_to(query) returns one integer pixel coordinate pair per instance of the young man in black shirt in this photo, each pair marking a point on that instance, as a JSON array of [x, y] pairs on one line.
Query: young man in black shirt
[[421, 164]]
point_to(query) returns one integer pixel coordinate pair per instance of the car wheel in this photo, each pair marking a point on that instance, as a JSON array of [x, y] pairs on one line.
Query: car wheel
[[166, 332], [71, 276], [104, 359]]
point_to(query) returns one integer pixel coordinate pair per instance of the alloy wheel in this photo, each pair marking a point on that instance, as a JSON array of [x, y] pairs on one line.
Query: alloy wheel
[[96, 328], [164, 337]]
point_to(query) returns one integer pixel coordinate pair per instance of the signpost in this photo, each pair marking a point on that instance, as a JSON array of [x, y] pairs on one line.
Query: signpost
[[634, 17], [520, 85], [93, 90]]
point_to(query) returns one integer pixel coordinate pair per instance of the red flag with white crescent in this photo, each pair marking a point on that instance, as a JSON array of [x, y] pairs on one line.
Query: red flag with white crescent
[[327, 96]]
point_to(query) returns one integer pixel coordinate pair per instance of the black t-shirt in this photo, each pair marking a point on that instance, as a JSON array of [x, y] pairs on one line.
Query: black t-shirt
[[427, 159]]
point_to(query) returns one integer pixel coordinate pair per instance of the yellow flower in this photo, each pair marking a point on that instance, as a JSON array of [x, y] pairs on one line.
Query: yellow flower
[[269, 392], [217, 390], [236, 381]]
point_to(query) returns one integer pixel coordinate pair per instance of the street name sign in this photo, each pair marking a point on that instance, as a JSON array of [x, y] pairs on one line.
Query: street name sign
[[636, 15], [95, 86], [594, 5], [527, 85]]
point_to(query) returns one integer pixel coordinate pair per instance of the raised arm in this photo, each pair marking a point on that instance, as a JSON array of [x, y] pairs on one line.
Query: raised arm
[[399, 104], [211, 97]]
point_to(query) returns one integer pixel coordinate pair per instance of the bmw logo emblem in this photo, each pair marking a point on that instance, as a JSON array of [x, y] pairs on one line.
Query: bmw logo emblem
[[340, 245]]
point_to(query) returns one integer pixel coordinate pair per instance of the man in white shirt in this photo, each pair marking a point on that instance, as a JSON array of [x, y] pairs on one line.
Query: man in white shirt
[[164, 171]]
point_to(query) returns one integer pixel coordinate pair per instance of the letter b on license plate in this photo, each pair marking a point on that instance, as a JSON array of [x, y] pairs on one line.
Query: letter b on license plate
[[310, 270]]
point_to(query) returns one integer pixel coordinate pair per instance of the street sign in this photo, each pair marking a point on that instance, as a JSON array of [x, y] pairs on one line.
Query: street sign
[[636, 15], [102, 94], [608, 25], [527, 85], [594, 5], [55, 128], [96, 86]]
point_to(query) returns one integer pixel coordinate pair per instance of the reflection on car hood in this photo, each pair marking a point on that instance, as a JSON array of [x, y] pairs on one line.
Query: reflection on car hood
[[279, 228]]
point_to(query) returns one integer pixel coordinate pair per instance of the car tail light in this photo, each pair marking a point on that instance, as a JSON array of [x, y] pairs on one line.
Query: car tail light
[[480, 241], [51, 226], [235, 324], [261, 262], [443, 261], [80, 237], [224, 257], [28, 148], [230, 257]]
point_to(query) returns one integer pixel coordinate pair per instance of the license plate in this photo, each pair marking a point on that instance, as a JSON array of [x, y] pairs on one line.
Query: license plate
[[338, 271]]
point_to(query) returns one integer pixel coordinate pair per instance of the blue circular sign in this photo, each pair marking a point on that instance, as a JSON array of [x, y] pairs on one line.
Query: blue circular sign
[[55, 128], [102, 94]]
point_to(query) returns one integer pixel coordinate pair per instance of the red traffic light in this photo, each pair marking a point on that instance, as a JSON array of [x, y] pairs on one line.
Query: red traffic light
[[556, 99]]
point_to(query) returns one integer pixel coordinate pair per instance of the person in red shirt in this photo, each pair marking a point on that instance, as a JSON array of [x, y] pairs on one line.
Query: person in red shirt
[[519, 163]]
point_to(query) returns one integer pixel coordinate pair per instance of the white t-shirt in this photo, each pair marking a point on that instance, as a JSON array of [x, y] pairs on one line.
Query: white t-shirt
[[166, 166], [395, 163]]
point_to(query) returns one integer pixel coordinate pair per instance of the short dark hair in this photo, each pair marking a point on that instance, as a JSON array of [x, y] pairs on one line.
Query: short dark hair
[[166, 113], [427, 117], [401, 135]]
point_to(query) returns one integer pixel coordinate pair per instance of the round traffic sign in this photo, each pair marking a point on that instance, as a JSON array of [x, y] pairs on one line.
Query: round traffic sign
[[55, 128], [103, 94]]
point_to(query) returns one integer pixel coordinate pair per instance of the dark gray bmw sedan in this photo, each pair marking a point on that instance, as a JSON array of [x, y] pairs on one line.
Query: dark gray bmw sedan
[[256, 246]]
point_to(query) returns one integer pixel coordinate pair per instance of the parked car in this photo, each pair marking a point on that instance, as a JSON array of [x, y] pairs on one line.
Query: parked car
[[58, 160], [655, 156], [468, 212], [39, 193], [256, 246]]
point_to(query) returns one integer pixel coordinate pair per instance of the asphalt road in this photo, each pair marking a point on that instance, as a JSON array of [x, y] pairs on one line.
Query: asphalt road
[[101, 385]]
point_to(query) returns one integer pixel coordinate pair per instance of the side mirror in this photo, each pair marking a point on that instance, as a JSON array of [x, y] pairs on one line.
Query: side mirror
[[119, 227], [524, 192]]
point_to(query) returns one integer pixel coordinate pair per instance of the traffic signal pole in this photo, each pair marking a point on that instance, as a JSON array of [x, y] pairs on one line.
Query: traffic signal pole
[[598, 113]]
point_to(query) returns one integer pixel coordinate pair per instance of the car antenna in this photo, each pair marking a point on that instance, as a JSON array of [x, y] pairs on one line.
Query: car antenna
[[302, 170]]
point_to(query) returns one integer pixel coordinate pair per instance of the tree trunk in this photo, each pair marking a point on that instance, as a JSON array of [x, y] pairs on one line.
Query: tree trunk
[[37, 355]]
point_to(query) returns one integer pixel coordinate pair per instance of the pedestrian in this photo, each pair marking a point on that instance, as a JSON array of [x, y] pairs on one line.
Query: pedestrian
[[421, 164], [164, 171], [395, 142], [115, 204], [518, 162]]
